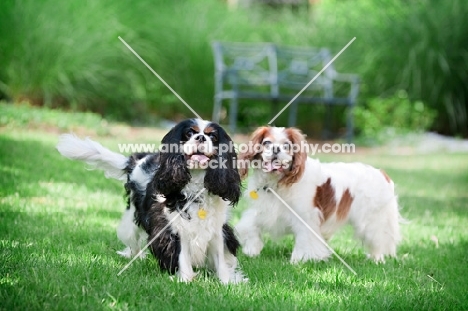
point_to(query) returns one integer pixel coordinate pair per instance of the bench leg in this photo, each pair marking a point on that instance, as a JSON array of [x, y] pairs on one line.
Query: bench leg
[[350, 124], [326, 134], [292, 118], [274, 107], [233, 115], [218, 102]]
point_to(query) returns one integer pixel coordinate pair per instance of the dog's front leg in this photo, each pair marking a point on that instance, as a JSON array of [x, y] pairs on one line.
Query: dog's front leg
[[249, 233], [185, 272], [216, 252], [308, 240]]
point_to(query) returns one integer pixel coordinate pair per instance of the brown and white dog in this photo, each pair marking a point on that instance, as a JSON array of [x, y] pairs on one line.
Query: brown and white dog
[[325, 196]]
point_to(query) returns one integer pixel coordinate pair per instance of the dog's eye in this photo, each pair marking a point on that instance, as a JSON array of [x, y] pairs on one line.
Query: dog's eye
[[286, 146], [213, 137], [190, 133], [266, 143]]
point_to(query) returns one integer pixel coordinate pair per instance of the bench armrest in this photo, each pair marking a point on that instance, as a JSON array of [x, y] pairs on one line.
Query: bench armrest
[[350, 78]]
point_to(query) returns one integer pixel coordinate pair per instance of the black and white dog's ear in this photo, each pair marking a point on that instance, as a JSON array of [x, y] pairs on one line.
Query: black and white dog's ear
[[222, 177], [172, 174]]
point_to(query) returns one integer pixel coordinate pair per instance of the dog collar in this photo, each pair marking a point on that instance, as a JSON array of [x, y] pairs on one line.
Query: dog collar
[[201, 213], [254, 193]]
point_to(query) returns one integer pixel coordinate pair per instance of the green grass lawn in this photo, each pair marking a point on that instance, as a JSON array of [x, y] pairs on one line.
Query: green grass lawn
[[58, 241]]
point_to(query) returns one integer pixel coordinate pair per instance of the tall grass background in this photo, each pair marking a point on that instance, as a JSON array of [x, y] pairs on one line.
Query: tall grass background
[[67, 53]]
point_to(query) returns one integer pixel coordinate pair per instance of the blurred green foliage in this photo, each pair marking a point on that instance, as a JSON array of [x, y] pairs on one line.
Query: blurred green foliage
[[385, 118], [417, 46], [67, 54]]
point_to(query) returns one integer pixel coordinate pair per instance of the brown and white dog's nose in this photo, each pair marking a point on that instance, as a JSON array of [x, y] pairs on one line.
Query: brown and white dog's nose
[[276, 149]]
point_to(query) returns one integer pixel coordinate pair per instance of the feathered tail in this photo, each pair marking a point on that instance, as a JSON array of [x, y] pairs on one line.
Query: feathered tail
[[93, 153]]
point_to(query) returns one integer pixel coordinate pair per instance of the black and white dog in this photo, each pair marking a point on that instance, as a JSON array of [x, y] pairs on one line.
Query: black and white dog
[[178, 198]]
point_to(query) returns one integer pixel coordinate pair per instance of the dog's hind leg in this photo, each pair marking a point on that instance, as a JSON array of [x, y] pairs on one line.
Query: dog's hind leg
[[130, 234], [381, 233]]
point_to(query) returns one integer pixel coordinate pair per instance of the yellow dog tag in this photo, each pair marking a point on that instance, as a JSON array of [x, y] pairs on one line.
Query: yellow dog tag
[[201, 213], [253, 194]]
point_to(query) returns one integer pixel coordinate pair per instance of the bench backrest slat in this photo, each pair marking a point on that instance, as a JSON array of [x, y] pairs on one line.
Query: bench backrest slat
[[265, 64], [299, 65], [246, 65]]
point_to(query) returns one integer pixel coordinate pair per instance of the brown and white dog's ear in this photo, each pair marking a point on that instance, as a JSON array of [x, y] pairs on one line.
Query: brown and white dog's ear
[[299, 157], [254, 149]]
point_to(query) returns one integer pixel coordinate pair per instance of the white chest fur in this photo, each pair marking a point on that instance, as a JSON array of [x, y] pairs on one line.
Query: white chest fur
[[202, 220]]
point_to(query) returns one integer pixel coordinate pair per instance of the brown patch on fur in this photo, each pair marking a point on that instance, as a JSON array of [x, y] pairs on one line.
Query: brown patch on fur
[[195, 128], [387, 178], [344, 205], [325, 199], [256, 139], [296, 170], [209, 130]]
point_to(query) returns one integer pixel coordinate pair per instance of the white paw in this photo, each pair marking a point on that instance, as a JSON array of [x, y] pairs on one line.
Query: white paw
[[143, 255], [300, 255], [129, 253], [238, 277], [186, 277], [252, 249], [377, 258]]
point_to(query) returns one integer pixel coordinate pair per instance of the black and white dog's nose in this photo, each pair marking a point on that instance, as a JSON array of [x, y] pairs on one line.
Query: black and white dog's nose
[[276, 149], [200, 138]]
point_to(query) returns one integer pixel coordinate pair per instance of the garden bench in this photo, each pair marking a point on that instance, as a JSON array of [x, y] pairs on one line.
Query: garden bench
[[265, 71]]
